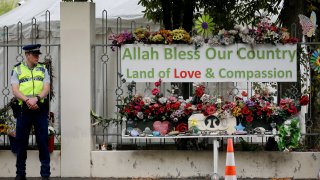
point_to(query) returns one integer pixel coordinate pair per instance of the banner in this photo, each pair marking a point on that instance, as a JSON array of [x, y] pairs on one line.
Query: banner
[[233, 63]]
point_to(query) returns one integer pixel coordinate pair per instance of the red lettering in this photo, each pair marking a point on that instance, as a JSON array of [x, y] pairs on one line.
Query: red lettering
[[186, 74]]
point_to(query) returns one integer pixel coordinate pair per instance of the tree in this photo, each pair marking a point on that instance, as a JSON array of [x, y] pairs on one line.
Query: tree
[[226, 13], [7, 5]]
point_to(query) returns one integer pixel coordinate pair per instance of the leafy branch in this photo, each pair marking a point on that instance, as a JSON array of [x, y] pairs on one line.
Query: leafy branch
[[99, 120], [289, 135]]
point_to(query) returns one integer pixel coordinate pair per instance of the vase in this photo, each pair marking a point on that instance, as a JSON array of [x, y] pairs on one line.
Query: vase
[[51, 143]]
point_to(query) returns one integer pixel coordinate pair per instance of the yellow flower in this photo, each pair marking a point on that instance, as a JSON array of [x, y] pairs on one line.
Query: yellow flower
[[3, 128], [236, 111], [194, 122]]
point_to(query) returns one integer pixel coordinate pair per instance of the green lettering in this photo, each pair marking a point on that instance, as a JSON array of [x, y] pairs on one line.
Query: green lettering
[[221, 71], [212, 54], [126, 54], [167, 53], [251, 54], [182, 55], [154, 54], [268, 54], [145, 55], [260, 54], [257, 74], [197, 55], [278, 53], [239, 53]]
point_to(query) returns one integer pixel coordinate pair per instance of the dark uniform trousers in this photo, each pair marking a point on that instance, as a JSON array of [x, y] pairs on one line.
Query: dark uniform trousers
[[39, 119]]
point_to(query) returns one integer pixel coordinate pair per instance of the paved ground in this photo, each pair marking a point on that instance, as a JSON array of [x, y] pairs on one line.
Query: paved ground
[[122, 179], [141, 179], [118, 179]]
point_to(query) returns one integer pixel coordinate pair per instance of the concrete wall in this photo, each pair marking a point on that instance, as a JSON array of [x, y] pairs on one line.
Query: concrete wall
[[182, 164], [177, 164]]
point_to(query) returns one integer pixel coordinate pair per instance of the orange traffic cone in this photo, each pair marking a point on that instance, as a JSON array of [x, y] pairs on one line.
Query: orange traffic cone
[[230, 173]]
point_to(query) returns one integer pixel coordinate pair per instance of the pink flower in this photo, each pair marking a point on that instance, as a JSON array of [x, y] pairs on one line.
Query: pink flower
[[155, 91]]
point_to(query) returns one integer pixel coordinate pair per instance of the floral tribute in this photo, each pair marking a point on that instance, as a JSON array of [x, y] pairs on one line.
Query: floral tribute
[[7, 122], [315, 60], [173, 111], [263, 32]]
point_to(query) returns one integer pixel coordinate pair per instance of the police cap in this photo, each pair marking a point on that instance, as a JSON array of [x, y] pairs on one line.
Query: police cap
[[32, 48]]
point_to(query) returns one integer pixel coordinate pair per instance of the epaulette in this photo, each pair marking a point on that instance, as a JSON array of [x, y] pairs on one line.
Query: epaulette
[[17, 64]]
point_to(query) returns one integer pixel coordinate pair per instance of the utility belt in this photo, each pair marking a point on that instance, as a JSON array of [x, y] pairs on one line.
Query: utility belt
[[18, 105]]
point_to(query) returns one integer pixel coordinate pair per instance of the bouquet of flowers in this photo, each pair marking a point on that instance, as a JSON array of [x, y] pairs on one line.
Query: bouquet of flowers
[[122, 38], [154, 107]]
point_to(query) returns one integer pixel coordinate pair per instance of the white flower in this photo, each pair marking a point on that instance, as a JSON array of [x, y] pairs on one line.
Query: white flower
[[221, 32], [140, 115], [163, 100], [205, 98], [245, 31], [146, 100], [237, 27], [213, 41], [233, 32], [219, 100]]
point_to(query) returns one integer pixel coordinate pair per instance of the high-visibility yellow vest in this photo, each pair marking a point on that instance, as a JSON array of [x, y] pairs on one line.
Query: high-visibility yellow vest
[[30, 81]]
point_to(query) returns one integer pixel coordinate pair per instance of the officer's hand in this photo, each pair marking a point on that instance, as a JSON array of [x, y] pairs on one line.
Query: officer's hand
[[32, 103], [34, 107]]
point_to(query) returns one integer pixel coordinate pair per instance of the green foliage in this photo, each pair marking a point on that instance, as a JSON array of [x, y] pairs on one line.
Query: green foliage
[[98, 120], [7, 5], [225, 13], [153, 9], [289, 135]]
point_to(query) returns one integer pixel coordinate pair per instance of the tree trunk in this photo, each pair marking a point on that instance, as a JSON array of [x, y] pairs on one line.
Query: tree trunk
[[167, 15], [188, 14], [289, 18], [176, 13]]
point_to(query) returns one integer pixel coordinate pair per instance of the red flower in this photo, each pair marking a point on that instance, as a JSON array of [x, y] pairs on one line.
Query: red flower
[[182, 127], [126, 110], [155, 91], [199, 107], [188, 108], [292, 110], [304, 100], [244, 93], [199, 91], [168, 106], [157, 84], [175, 105], [259, 112], [273, 28], [249, 119], [210, 110], [245, 110], [138, 108]]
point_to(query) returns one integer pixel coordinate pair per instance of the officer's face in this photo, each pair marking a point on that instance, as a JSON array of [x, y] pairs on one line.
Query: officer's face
[[32, 58]]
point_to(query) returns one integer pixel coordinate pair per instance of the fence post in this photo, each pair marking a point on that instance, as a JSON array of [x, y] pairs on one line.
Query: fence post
[[77, 35]]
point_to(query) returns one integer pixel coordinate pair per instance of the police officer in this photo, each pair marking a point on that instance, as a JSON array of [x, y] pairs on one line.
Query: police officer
[[30, 83]]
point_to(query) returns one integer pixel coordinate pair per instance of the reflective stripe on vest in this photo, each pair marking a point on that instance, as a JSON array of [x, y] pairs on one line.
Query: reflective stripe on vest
[[30, 81]]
